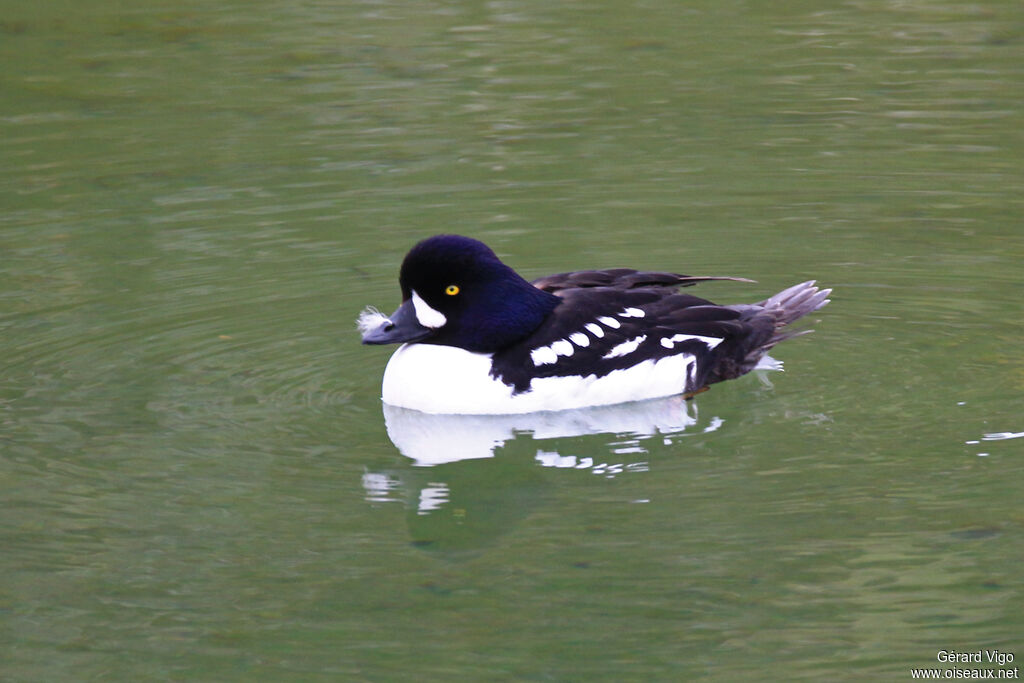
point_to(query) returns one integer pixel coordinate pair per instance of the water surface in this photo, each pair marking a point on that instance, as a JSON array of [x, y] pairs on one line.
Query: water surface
[[199, 482]]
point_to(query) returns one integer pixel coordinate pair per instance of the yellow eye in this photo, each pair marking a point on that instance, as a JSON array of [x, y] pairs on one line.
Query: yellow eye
[[451, 290]]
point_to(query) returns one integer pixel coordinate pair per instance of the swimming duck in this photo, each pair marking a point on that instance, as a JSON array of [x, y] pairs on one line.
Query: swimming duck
[[479, 339]]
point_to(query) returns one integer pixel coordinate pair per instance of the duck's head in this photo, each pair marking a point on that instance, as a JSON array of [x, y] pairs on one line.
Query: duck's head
[[455, 291]]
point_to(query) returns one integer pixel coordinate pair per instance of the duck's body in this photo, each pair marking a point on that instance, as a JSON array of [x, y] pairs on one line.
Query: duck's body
[[479, 339]]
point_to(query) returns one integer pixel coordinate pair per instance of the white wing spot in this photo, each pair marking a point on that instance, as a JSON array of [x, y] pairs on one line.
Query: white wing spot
[[625, 347], [632, 313], [562, 348], [579, 339], [545, 355], [594, 329], [609, 322], [710, 342]]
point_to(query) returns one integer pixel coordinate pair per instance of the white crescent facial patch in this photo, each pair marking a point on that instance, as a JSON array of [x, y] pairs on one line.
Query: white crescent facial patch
[[425, 314]]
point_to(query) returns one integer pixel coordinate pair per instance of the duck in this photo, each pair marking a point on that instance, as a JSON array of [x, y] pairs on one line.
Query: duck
[[476, 338]]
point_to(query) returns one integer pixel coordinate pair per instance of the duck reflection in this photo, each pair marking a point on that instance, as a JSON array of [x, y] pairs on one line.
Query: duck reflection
[[471, 478], [430, 440]]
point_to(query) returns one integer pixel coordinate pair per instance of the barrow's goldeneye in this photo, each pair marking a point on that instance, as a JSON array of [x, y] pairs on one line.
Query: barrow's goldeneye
[[479, 339]]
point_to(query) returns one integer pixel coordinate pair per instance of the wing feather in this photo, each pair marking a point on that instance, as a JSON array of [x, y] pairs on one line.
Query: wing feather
[[621, 278]]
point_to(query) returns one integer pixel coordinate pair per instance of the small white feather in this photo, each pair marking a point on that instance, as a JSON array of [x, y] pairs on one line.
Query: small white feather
[[766, 362], [543, 355], [710, 342], [370, 319], [562, 347], [626, 347], [579, 339]]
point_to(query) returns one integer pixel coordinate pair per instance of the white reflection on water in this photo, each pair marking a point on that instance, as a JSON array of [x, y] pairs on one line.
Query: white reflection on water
[[443, 440], [1002, 436], [457, 502], [994, 436], [431, 440]]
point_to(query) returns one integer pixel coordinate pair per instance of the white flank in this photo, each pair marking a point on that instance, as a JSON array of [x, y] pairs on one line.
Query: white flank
[[625, 347], [710, 342], [562, 348], [432, 378], [428, 317], [545, 355], [594, 329], [609, 322], [579, 339], [632, 313], [370, 319]]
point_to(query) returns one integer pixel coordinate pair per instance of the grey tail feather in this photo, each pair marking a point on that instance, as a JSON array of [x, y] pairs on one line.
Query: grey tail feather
[[790, 305]]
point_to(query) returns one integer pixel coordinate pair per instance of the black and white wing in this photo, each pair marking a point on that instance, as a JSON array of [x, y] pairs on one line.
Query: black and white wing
[[598, 330]]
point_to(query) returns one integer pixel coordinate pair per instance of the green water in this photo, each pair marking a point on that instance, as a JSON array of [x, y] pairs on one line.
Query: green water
[[197, 477]]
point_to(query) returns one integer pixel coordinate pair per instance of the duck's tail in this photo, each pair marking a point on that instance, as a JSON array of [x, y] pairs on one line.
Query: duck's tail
[[790, 305], [766, 323]]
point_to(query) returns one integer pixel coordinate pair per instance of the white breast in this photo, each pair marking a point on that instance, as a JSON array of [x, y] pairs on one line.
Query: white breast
[[445, 379]]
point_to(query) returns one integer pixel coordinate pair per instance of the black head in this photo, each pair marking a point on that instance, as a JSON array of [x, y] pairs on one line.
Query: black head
[[455, 291]]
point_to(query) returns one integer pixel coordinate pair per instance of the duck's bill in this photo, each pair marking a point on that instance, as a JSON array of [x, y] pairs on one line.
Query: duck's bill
[[399, 327]]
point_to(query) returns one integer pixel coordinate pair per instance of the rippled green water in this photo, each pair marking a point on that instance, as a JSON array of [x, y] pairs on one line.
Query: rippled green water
[[198, 480]]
